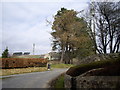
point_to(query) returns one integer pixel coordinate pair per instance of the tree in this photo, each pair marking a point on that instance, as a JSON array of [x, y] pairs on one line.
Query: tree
[[5, 53], [69, 35], [104, 26]]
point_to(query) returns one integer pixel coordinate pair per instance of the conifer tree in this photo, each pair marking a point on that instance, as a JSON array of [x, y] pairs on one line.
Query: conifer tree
[[5, 53]]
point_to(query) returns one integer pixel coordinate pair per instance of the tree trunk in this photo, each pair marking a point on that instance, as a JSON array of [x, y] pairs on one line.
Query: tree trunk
[[62, 56], [118, 47]]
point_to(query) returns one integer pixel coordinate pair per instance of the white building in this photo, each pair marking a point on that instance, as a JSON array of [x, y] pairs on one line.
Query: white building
[[52, 56]]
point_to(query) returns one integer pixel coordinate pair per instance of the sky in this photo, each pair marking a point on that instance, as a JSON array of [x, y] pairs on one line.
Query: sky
[[23, 22]]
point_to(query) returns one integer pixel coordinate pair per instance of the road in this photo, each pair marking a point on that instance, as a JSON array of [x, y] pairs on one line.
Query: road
[[31, 80]]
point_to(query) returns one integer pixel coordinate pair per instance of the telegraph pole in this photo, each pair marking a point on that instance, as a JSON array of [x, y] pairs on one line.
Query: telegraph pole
[[33, 48]]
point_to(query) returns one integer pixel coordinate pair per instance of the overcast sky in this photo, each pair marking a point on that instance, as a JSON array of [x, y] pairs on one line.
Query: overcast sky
[[24, 23]]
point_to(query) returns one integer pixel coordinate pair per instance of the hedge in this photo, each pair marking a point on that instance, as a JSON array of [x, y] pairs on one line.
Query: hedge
[[22, 62]]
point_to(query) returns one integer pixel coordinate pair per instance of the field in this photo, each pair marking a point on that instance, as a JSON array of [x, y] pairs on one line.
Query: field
[[21, 70], [27, 56]]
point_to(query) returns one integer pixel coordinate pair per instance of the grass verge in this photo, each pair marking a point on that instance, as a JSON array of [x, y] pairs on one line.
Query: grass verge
[[21, 70], [57, 83], [60, 82], [61, 65]]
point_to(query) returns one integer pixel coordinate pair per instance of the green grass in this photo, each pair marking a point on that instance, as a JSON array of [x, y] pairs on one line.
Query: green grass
[[61, 65], [27, 56], [60, 82]]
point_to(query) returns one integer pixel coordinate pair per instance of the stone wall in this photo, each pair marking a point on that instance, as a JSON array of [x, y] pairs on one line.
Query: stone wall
[[92, 82], [98, 82], [67, 81], [86, 81]]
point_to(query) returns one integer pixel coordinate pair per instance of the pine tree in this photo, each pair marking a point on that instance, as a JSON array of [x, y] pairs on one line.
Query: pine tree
[[70, 35], [5, 54]]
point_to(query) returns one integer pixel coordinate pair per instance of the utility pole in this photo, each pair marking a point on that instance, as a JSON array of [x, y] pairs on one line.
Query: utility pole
[[33, 48]]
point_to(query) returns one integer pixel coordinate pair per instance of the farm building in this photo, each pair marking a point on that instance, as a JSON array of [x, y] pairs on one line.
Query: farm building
[[20, 53], [26, 53], [52, 56], [17, 53]]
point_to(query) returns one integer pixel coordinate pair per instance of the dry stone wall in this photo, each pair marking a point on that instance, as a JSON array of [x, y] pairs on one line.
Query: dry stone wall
[[98, 82], [68, 81], [109, 82], [89, 82]]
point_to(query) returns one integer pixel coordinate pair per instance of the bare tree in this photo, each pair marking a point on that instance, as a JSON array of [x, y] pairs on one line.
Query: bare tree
[[104, 26]]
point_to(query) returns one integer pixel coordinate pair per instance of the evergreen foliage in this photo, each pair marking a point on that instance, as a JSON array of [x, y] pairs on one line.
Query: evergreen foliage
[[5, 53], [70, 35]]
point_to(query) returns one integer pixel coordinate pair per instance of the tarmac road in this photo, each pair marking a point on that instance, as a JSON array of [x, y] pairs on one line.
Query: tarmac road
[[30, 80]]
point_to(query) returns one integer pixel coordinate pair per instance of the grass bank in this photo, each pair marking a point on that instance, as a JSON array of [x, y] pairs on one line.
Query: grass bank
[[21, 70], [61, 65], [60, 82], [57, 83]]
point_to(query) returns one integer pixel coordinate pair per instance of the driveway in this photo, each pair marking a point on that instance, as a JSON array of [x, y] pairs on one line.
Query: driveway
[[31, 80]]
